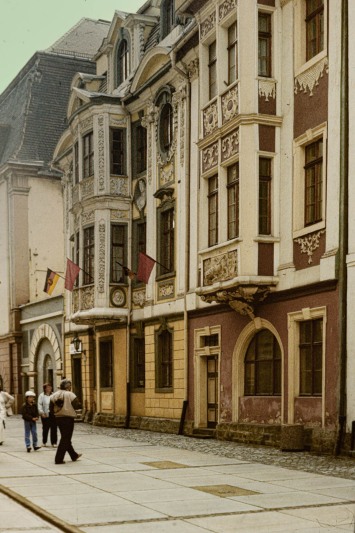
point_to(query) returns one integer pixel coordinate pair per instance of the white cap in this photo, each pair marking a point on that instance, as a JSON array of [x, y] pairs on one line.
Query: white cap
[[29, 393]]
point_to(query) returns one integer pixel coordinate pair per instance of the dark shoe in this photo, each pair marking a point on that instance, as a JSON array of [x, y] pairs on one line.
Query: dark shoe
[[78, 457], [60, 463], [0, 443], [28, 450], [36, 448]]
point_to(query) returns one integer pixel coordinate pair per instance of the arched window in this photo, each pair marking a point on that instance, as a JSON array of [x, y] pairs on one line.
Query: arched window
[[166, 122], [262, 366], [122, 61]]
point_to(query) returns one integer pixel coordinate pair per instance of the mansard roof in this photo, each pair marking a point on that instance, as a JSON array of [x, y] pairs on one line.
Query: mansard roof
[[33, 107]]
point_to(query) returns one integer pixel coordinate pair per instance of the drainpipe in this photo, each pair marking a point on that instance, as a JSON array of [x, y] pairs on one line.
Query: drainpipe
[[343, 224], [187, 134]]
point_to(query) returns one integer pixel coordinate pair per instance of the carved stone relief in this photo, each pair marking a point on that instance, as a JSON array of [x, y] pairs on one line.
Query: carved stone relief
[[75, 301], [166, 174], [87, 298], [102, 236], [166, 290], [87, 217], [230, 105], [210, 119], [210, 157], [225, 8], [86, 125], [87, 187], [230, 145], [118, 186], [207, 25], [75, 194], [101, 152], [193, 69], [138, 298], [220, 267], [306, 81], [149, 122]]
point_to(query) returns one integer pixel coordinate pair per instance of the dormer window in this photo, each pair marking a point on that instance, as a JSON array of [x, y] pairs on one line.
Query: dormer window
[[122, 61], [167, 17]]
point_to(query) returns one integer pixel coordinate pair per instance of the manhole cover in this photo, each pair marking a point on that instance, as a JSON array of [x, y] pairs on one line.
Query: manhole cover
[[165, 464], [226, 491]]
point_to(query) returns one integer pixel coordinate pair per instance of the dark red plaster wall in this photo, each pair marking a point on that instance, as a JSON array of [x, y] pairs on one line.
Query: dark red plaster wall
[[275, 312], [267, 107], [310, 111]]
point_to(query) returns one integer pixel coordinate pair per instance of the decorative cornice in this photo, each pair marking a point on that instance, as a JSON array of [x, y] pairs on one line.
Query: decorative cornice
[[267, 88]]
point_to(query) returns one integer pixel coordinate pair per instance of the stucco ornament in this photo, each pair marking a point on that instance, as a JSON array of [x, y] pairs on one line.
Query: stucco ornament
[[309, 244], [207, 25], [225, 8], [220, 268], [210, 157], [230, 106], [242, 299], [210, 119], [307, 80], [267, 89]]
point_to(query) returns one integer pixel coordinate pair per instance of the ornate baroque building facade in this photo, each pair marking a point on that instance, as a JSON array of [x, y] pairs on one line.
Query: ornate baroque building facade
[[209, 139]]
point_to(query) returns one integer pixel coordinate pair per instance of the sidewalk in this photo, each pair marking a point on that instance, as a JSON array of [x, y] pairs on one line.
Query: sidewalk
[[129, 486]]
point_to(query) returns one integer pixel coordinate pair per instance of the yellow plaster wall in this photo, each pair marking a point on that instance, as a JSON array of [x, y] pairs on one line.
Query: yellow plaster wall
[[165, 405]]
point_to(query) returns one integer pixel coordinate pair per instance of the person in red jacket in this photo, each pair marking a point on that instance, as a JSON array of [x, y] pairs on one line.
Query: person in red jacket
[[30, 416]]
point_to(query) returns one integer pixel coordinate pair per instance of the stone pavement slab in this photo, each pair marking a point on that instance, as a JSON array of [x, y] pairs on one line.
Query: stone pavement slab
[[125, 485]]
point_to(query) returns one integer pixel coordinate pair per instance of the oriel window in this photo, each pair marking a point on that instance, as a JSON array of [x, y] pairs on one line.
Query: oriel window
[[264, 45], [264, 196], [89, 255], [212, 210], [233, 200], [88, 155], [232, 53], [118, 152], [212, 69], [118, 252]]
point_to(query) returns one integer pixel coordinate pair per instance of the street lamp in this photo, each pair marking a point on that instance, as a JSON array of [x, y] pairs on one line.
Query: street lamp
[[76, 343]]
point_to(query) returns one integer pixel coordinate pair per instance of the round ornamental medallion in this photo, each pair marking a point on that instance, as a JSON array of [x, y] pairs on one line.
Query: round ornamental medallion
[[118, 297]]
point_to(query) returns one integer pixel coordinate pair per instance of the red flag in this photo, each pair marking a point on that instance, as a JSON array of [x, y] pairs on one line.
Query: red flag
[[51, 281], [145, 267], [71, 274]]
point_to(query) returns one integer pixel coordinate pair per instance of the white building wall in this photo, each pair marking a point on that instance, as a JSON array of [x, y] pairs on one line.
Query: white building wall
[[4, 260]]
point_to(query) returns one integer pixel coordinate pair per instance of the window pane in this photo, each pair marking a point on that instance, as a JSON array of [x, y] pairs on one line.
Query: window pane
[[212, 68], [118, 149], [89, 255], [106, 364], [263, 365], [118, 253]]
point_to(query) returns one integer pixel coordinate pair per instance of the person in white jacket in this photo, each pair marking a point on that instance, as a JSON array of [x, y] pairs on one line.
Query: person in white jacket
[[6, 401], [47, 418]]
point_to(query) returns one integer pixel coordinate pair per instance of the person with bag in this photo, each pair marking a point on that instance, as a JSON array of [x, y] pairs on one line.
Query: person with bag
[[63, 405], [30, 416], [6, 402], [47, 418]]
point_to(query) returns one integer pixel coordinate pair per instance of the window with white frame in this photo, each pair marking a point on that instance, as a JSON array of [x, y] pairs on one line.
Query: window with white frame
[[213, 211], [212, 69], [314, 27], [264, 45], [232, 53], [310, 181]]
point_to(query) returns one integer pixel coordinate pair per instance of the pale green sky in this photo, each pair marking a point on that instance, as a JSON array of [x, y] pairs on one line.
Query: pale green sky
[[30, 25]]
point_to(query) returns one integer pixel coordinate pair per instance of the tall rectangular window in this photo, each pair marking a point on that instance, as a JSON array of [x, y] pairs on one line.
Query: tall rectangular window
[[212, 210], [89, 255], [76, 163], [314, 27], [311, 347], [212, 70], [106, 364], [88, 155], [118, 252], [233, 200], [118, 152], [232, 53], [264, 45], [313, 182], [167, 241], [138, 363], [77, 255], [139, 148], [264, 196], [139, 242], [164, 370]]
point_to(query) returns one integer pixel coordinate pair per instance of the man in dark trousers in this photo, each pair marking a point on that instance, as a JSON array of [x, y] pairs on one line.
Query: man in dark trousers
[[63, 404]]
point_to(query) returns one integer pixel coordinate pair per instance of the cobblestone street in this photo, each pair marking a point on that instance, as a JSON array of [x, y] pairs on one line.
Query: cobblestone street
[[324, 464], [133, 481]]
